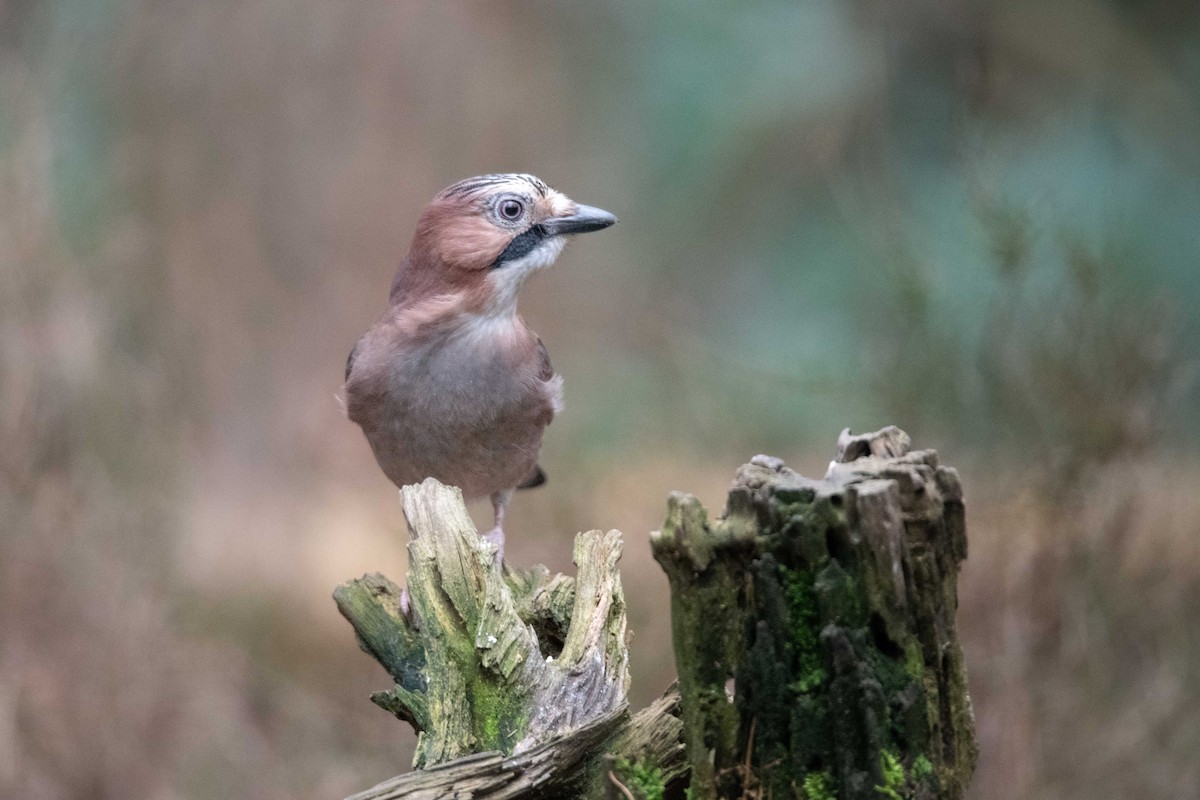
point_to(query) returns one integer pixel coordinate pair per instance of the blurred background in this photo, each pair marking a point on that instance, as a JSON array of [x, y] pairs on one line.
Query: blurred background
[[976, 219]]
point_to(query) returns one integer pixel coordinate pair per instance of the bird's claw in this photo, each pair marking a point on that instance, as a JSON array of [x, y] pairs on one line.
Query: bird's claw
[[496, 537]]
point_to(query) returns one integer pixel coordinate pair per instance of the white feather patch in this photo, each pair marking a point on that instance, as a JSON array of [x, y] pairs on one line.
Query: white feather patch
[[507, 281]]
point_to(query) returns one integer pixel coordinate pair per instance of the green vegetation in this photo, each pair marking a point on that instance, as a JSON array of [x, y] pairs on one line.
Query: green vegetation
[[818, 786], [893, 776], [646, 781]]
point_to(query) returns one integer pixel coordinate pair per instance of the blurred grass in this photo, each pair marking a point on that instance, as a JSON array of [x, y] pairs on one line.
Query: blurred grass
[[974, 221]]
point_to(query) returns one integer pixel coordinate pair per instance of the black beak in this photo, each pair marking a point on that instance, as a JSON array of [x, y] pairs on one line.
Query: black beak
[[585, 220]]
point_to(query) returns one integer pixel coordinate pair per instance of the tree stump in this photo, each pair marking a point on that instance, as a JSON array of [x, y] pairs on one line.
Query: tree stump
[[515, 681], [814, 629], [814, 637]]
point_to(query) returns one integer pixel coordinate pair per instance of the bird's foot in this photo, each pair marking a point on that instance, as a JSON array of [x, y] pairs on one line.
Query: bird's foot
[[496, 536]]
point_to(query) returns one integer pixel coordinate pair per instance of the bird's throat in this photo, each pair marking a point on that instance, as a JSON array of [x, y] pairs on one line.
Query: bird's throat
[[506, 281], [484, 333]]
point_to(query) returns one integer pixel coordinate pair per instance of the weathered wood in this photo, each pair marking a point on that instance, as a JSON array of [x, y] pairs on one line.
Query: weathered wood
[[814, 629], [372, 603], [529, 669], [570, 766], [814, 635]]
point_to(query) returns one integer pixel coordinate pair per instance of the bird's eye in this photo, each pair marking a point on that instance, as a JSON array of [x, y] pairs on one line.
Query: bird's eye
[[511, 209]]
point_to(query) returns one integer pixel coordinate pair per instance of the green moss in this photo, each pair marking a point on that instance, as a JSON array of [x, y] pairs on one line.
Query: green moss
[[707, 624], [794, 499], [805, 629], [498, 715], [893, 776], [818, 786], [914, 662], [810, 679], [906, 726], [643, 778], [840, 596], [827, 511], [922, 767]]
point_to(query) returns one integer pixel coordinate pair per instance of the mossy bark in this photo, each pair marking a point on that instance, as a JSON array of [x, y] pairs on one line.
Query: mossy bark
[[814, 637], [515, 681], [814, 629]]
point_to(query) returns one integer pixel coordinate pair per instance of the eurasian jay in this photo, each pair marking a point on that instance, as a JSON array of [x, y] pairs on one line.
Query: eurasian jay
[[451, 383]]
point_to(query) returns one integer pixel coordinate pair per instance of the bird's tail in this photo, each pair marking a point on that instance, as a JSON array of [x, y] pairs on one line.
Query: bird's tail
[[535, 478]]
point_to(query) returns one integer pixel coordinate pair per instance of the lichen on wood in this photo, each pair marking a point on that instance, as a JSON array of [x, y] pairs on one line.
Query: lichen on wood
[[515, 680], [814, 629]]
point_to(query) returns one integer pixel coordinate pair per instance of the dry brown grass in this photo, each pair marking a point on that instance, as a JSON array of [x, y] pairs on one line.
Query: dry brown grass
[[1078, 624]]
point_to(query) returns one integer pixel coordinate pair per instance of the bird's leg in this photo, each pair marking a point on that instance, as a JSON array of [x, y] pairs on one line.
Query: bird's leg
[[496, 534]]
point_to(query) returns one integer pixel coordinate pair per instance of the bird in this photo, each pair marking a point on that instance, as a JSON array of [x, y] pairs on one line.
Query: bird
[[450, 382]]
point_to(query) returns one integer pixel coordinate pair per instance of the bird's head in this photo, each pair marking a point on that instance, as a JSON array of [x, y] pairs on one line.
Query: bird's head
[[482, 237]]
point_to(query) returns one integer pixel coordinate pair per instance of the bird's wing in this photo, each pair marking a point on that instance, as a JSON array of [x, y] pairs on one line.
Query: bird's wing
[[551, 383], [350, 359], [546, 371]]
